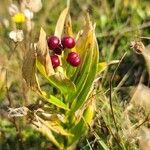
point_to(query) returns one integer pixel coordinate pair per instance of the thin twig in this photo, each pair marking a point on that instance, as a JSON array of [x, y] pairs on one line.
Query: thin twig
[[115, 138], [143, 37], [110, 95], [145, 120]]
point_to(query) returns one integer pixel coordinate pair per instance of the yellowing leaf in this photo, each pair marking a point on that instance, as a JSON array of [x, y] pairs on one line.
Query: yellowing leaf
[[43, 53], [2, 77], [89, 112], [86, 72], [85, 38], [54, 126], [41, 126], [101, 67], [68, 31], [88, 83], [68, 26], [60, 23]]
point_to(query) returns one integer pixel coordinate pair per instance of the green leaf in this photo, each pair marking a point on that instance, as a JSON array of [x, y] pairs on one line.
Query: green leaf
[[83, 44], [89, 81], [83, 47], [60, 81], [78, 130], [105, 147], [55, 101], [81, 127], [81, 80], [86, 73]]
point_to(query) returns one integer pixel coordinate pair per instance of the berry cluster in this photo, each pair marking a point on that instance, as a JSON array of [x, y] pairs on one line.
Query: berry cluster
[[58, 46]]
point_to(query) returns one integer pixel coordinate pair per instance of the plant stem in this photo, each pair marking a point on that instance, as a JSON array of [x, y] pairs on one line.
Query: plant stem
[[19, 137], [110, 98]]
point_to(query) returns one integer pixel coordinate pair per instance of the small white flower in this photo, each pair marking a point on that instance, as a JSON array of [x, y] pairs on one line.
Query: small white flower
[[16, 36], [34, 5], [13, 9], [28, 14]]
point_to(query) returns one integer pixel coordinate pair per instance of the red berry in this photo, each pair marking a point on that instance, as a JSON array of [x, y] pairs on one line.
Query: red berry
[[68, 42], [53, 42], [74, 59], [75, 62], [71, 56], [55, 61], [58, 50]]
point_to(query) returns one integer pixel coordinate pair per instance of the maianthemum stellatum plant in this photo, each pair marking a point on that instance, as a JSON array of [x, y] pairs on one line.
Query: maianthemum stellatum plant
[[70, 67]]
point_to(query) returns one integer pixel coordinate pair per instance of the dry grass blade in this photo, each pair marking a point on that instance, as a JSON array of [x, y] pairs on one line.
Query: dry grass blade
[[141, 96], [60, 23], [43, 53], [29, 69], [40, 125]]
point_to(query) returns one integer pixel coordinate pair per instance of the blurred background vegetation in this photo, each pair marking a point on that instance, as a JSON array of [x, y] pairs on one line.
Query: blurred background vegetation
[[118, 22]]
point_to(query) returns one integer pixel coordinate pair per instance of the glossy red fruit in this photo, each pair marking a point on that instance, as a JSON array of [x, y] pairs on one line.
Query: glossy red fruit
[[75, 62], [71, 56], [68, 42], [53, 42], [55, 61], [73, 59]]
